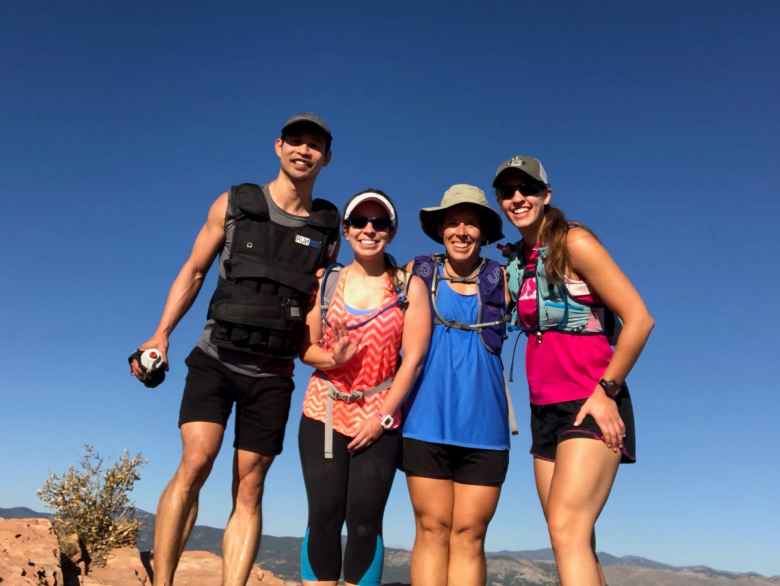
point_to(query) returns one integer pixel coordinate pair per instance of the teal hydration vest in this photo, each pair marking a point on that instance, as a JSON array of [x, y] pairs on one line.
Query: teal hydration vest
[[557, 309]]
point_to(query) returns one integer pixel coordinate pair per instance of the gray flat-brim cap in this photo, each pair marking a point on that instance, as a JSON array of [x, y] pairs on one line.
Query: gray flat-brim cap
[[431, 219]]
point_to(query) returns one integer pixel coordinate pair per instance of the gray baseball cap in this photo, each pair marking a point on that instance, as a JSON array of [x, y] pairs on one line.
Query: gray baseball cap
[[309, 118], [432, 218], [527, 164]]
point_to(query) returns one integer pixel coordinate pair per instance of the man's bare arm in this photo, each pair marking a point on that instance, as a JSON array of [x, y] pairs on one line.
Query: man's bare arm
[[188, 282]]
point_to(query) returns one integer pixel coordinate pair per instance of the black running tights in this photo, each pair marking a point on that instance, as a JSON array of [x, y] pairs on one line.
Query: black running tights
[[352, 488]]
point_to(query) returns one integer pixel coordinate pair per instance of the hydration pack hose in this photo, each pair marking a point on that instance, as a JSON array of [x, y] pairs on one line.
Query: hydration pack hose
[[452, 323]]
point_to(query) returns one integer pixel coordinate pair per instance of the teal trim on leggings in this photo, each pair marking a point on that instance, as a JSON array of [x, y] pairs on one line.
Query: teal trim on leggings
[[307, 573], [373, 575]]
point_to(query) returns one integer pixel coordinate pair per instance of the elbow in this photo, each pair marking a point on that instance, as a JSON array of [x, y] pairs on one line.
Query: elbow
[[416, 363], [649, 322], [198, 277], [307, 356], [646, 322]]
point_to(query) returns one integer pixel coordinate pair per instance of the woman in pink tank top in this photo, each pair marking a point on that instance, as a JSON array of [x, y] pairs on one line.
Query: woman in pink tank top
[[582, 425]]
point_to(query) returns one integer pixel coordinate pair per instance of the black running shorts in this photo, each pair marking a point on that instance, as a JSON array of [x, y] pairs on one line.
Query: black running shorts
[[554, 423], [262, 403], [448, 462]]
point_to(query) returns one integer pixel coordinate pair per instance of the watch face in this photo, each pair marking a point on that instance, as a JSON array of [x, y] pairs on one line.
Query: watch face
[[611, 388], [387, 421]]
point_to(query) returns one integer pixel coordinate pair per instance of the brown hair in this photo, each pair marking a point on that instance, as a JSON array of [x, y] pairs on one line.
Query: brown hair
[[552, 234]]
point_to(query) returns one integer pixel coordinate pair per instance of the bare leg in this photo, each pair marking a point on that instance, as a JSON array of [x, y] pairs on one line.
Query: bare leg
[[598, 561], [432, 500], [473, 509], [584, 472], [543, 472], [242, 534], [178, 506], [189, 523]]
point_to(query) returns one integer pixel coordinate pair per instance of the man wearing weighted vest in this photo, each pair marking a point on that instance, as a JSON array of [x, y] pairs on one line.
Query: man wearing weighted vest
[[272, 240]]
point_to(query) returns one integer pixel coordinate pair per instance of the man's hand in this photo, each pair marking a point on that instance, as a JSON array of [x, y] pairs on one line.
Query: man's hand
[[369, 432], [604, 410], [158, 341]]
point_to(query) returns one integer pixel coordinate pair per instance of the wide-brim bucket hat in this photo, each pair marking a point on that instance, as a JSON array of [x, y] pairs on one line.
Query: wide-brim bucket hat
[[431, 219]]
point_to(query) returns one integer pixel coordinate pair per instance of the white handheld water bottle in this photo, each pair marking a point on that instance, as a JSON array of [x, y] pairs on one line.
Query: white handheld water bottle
[[151, 359]]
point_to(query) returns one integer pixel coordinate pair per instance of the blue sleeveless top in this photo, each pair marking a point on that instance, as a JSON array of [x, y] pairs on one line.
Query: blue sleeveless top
[[459, 397]]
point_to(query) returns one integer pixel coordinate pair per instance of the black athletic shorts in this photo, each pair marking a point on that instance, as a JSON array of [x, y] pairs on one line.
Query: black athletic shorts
[[554, 423], [448, 462], [262, 403]]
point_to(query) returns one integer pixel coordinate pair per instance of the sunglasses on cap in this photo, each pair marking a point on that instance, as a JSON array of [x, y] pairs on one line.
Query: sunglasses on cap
[[527, 188], [380, 224]]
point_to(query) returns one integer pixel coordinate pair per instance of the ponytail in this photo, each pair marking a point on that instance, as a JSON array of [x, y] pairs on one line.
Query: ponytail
[[552, 234]]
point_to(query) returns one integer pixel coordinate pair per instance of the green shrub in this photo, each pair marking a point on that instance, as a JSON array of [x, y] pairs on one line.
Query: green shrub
[[92, 503]]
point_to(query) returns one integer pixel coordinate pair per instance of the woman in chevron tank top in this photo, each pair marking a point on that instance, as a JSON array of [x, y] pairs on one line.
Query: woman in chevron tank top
[[348, 438]]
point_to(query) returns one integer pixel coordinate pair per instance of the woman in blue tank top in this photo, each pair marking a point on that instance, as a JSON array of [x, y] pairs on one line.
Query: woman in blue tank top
[[456, 432]]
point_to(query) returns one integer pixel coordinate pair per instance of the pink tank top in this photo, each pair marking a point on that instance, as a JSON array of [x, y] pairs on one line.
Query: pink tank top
[[560, 366]]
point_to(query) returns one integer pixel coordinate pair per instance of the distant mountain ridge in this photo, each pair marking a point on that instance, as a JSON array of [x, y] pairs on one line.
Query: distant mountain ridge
[[281, 556]]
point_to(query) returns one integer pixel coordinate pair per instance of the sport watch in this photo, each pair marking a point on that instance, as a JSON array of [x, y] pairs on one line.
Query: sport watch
[[611, 388], [386, 421]]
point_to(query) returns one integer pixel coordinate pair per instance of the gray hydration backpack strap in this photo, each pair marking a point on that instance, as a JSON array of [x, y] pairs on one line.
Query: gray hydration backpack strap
[[330, 282]]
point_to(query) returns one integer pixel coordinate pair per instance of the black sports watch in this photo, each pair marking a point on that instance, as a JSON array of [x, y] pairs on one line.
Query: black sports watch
[[611, 388]]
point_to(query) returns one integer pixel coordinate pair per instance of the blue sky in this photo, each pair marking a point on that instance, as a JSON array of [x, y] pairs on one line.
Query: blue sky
[[658, 125]]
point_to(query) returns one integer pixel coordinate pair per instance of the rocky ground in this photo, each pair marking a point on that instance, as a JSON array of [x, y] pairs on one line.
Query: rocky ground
[[30, 556]]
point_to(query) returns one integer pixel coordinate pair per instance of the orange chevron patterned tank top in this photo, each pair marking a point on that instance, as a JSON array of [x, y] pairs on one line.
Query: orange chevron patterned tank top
[[376, 360]]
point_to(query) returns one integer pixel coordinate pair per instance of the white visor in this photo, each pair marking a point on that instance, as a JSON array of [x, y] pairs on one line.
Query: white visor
[[372, 196]]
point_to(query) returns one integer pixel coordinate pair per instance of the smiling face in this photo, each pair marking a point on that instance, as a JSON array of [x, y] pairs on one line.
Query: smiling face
[[522, 200], [302, 154], [368, 240], [460, 231]]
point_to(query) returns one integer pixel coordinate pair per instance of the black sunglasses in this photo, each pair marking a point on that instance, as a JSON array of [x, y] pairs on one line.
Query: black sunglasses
[[528, 188], [380, 224]]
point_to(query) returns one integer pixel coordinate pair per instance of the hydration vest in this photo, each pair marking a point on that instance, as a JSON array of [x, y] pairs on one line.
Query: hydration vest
[[330, 282], [491, 303], [556, 308], [260, 305]]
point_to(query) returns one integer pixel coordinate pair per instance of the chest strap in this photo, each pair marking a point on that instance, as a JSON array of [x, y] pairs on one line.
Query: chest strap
[[351, 397]]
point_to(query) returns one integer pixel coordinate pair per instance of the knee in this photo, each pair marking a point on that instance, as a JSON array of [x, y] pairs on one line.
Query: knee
[[362, 529], [249, 482], [433, 529], [568, 532], [469, 538], [194, 468]]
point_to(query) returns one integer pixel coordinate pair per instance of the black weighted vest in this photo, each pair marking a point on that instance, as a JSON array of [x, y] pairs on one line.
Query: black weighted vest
[[260, 305]]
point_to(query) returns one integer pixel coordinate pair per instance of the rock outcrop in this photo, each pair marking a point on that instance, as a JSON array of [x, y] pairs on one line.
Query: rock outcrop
[[30, 556], [128, 567]]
